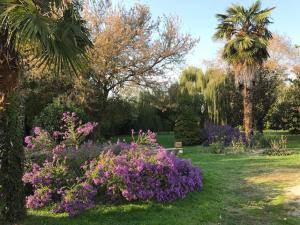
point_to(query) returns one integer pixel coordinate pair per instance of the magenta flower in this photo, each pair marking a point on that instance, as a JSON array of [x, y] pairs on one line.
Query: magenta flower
[[37, 131], [87, 128], [28, 142]]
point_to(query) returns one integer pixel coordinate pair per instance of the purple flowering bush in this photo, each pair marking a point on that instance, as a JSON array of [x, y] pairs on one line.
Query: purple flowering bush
[[40, 140], [223, 133], [144, 174], [72, 133], [77, 198], [140, 171]]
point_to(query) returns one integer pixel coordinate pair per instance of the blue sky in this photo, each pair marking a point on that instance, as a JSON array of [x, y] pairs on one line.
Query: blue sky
[[198, 18]]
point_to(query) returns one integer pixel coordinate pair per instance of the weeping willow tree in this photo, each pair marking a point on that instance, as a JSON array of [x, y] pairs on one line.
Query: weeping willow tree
[[218, 95], [217, 88], [192, 80]]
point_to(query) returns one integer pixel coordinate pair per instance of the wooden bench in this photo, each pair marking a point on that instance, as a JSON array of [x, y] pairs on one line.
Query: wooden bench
[[177, 148]]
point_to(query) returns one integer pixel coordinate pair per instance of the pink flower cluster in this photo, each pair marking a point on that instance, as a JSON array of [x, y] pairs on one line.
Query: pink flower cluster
[[72, 132], [144, 138], [87, 128], [40, 140]]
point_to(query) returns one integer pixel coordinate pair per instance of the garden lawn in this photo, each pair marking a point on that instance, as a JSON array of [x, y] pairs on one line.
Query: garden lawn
[[238, 189]]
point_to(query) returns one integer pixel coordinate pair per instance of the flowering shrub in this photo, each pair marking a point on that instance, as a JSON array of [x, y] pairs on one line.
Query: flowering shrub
[[72, 133], [144, 174], [141, 170], [144, 138], [223, 133], [77, 198], [75, 132], [40, 141]]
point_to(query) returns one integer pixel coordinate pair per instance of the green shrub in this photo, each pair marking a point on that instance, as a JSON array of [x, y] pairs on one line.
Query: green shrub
[[217, 147], [278, 147], [50, 116], [238, 145], [260, 141], [187, 128]]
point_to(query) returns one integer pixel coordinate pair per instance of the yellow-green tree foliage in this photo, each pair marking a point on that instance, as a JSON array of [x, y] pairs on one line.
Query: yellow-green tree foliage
[[217, 87]]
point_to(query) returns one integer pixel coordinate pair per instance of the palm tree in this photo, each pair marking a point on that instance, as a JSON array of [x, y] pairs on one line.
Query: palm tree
[[247, 36], [54, 34]]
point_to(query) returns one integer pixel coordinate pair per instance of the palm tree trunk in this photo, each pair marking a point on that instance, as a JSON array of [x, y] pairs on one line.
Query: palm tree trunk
[[248, 112], [12, 205]]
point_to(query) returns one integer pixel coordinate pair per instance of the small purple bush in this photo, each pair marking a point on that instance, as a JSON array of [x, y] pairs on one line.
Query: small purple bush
[[140, 171], [223, 133]]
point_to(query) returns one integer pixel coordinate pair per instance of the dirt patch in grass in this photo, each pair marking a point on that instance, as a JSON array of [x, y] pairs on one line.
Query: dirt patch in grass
[[287, 182], [280, 177], [292, 200]]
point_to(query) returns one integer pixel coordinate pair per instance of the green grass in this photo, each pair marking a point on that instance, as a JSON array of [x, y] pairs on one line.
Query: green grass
[[238, 189]]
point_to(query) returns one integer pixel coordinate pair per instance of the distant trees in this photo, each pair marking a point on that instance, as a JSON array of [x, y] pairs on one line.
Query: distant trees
[[284, 62], [224, 103], [192, 80], [222, 100], [283, 53], [285, 112], [216, 86], [266, 91], [247, 37], [131, 49]]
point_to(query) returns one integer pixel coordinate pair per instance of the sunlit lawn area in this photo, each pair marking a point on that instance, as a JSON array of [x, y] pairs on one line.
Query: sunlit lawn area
[[238, 189]]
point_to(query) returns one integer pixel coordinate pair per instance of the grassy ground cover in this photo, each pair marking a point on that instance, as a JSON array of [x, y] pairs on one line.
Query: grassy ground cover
[[238, 189]]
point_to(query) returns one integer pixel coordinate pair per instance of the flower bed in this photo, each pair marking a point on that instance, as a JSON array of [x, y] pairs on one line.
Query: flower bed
[[139, 171]]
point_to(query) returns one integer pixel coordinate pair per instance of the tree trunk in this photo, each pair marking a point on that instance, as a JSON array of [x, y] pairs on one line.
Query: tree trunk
[[101, 115], [248, 113], [260, 126], [12, 205]]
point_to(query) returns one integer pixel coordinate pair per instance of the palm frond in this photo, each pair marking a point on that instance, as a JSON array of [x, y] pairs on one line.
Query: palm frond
[[246, 32], [57, 42], [262, 17], [255, 7]]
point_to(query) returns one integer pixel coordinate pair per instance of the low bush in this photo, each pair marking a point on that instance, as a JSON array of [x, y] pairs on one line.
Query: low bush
[[49, 117], [217, 147], [238, 145], [223, 133], [260, 141], [138, 171], [278, 147]]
